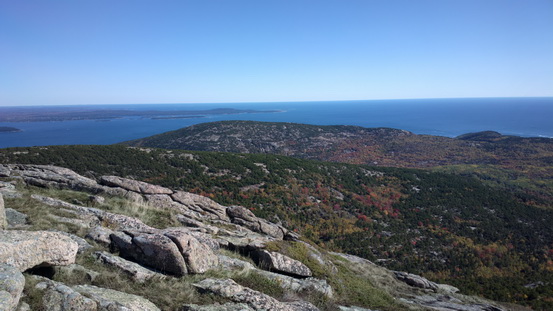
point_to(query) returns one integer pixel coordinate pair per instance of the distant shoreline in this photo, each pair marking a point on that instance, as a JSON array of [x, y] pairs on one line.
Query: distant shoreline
[[47, 114], [7, 129]]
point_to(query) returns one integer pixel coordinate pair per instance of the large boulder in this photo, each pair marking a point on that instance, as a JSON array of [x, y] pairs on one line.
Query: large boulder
[[277, 262], [133, 185], [198, 257], [3, 218], [28, 249], [150, 249], [12, 283], [112, 300], [244, 217], [254, 299]]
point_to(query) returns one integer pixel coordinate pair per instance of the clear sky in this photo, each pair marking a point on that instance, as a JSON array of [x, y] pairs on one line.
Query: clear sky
[[135, 51]]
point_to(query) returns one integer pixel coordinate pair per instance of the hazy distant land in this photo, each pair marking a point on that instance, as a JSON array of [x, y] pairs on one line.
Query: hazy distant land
[[44, 114]]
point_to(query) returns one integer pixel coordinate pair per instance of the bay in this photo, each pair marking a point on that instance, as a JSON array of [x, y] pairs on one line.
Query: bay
[[528, 117]]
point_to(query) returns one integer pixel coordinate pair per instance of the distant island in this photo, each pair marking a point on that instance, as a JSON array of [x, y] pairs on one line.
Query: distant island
[[60, 113], [7, 129]]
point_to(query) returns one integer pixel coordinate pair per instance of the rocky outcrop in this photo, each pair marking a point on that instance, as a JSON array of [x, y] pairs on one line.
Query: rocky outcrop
[[244, 217], [175, 250], [148, 253], [53, 177], [3, 218], [254, 299], [28, 249], [207, 207], [133, 185], [137, 272], [277, 262], [198, 257], [153, 250], [11, 287]]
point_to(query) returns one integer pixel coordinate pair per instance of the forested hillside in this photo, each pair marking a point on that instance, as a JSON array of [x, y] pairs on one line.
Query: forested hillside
[[522, 165], [448, 228]]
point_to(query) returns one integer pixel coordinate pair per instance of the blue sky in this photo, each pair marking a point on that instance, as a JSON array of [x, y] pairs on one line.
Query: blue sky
[[118, 52]]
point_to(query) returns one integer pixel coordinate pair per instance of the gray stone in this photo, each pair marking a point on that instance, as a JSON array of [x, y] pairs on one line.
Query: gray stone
[[82, 243], [247, 241], [54, 177], [416, 280], [153, 250], [112, 300], [301, 305], [137, 272], [27, 249], [198, 257], [3, 218], [16, 219], [4, 171], [12, 283], [277, 262], [207, 207], [133, 185], [59, 297]]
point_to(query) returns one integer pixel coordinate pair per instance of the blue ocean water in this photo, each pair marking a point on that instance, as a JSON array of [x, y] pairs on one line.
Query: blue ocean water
[[529, 117]]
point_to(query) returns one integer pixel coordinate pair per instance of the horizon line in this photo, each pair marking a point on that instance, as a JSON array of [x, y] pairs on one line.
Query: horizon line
[[274, 102]]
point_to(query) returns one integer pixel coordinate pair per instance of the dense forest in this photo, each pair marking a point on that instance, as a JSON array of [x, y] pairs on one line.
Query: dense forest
[[448, 228]]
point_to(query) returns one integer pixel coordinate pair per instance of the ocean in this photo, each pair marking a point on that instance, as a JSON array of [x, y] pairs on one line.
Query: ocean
[[528, 117]]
